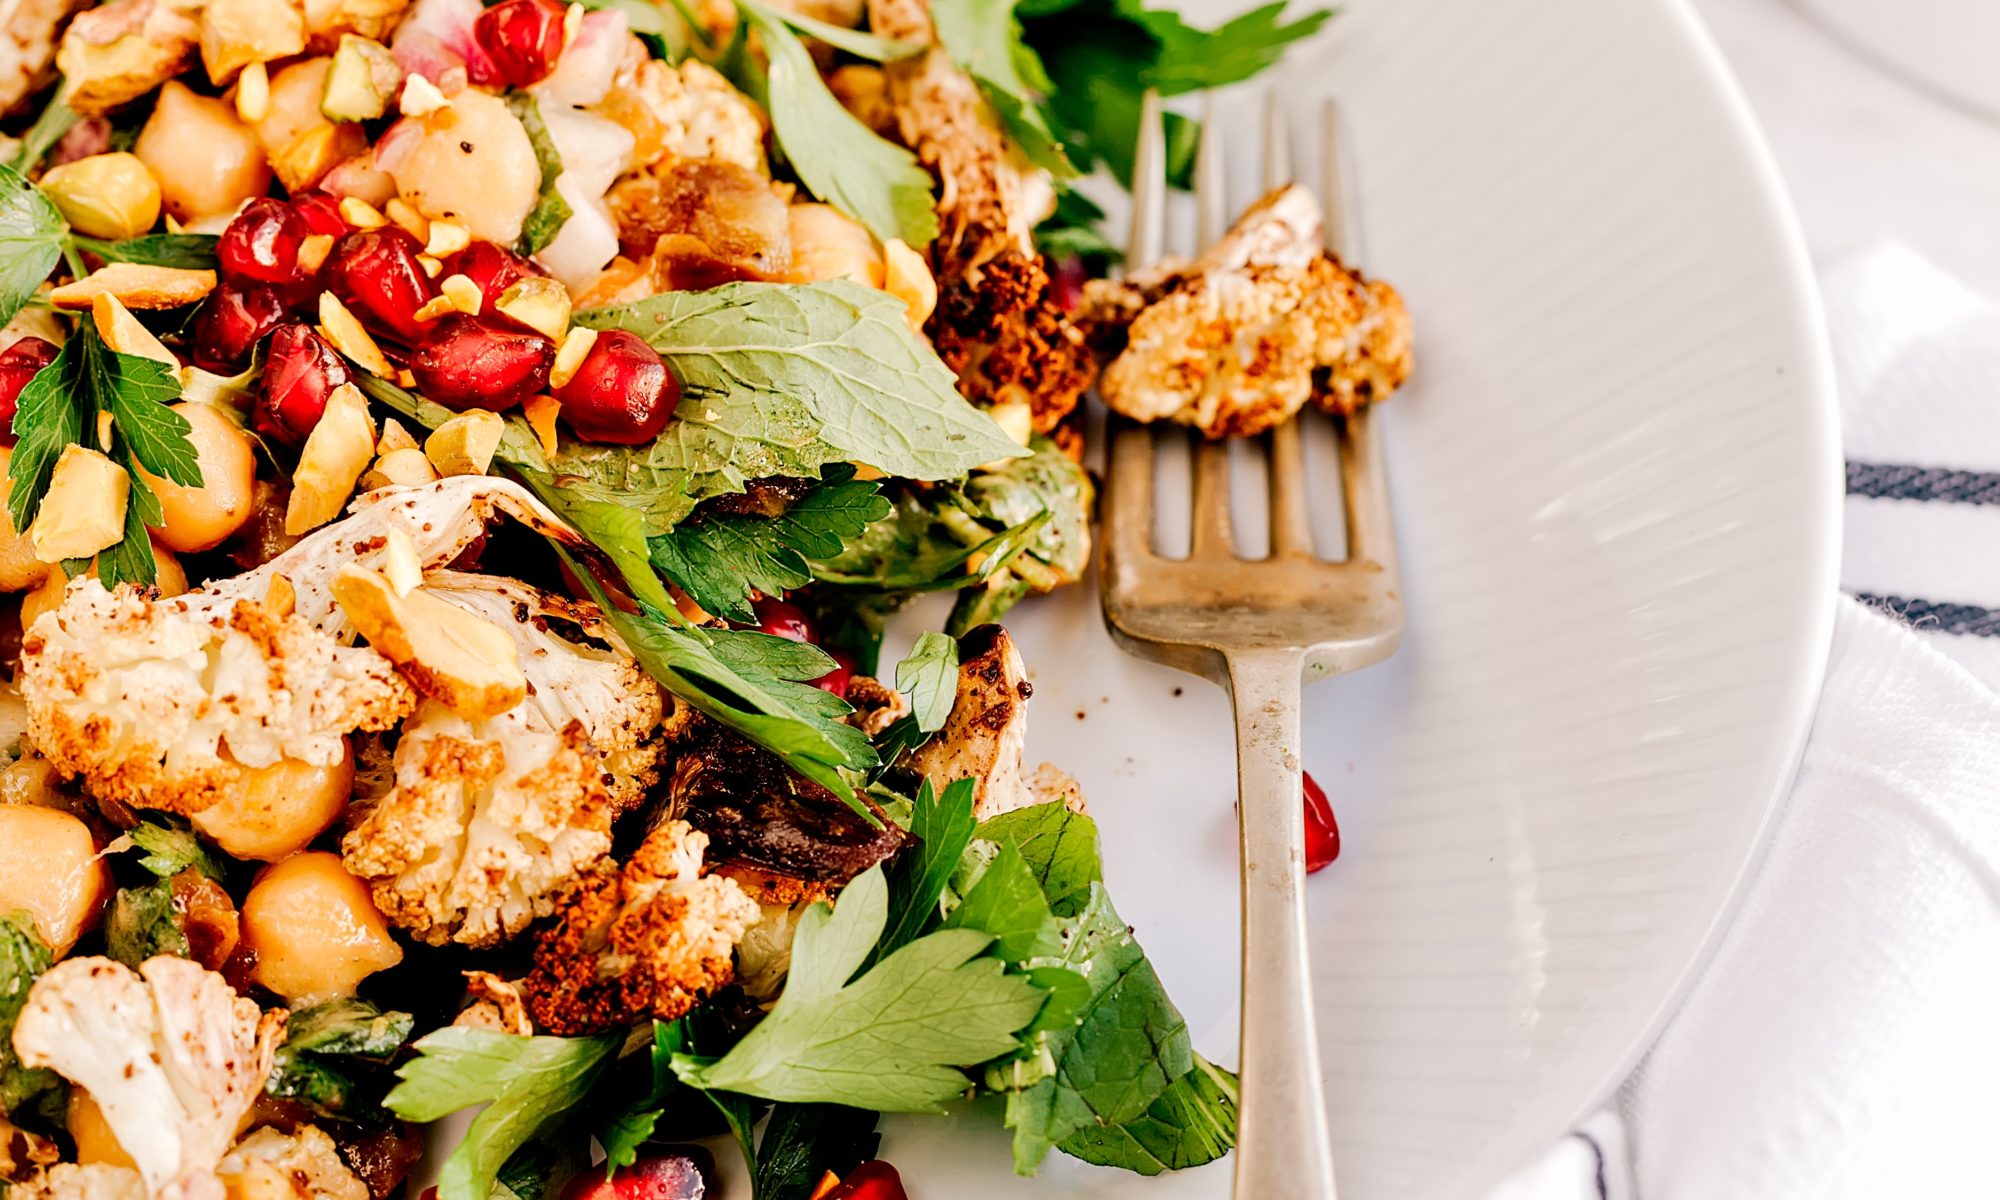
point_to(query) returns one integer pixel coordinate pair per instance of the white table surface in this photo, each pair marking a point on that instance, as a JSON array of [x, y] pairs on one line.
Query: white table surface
[[1867, 156]]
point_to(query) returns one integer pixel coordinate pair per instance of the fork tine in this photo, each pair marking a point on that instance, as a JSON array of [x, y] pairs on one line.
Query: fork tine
[[1210, 532], [1211, 190], [1291, 515], [1366, 487], [1127, 518], [1149, 187], [1337, 191], [1277, 142]]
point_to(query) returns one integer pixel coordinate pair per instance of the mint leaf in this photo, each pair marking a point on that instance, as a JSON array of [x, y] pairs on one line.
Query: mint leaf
[[31, 241], [929, 677], [802, 1142], [1007, 901], [895, 1040], [984, 39], [1193, 1122], [191, 251], [1058, 846], [943, 827], [545, 220], [840, 160], [1192, 59], [720, 560], [526, 1083], [869, 388], [925, 544], [23, 958]]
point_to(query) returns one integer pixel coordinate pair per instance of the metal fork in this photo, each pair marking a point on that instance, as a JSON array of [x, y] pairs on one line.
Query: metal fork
[[1258, 628]]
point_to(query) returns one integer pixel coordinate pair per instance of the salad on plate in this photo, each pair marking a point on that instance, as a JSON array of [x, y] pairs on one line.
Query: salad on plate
[[459, 463]]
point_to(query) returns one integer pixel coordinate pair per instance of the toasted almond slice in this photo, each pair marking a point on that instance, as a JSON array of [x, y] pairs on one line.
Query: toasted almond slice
[[361, 214], [122, 331], [420, 96], [540, 303], [253, 93], [575, 348], [405, 215], [394, 437], [280, 596], [572, 23], [343, 329], [84, 509], [432, 267], [406, 467], [400, 564], [541, 413], [313, 250], [464, 445], [105, 424], [336, 452], [447, 238], [138, 285], [435, 307], [458, 659], [465, 295]]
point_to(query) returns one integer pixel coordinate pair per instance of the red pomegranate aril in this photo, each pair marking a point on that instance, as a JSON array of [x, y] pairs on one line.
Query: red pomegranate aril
[[838, 679], [622, 393], [782, 618], [521, 38], [321, 213], [230, 323], [262, 244], [376, 275], [1322, 833], [872, 1180], [493, 269], [300, 372], [19, 363], [464, 362], [683, 1175]]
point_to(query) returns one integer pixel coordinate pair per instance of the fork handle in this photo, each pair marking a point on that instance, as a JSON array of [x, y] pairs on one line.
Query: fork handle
[[1282, 1148]]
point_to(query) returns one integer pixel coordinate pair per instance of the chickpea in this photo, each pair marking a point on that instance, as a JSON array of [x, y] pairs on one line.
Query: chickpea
[[49, 869], [207, 161], [170, 579], [105, 195], [19, 568], [95, 1142], [315, 931], [826, 245], [200, 518], [279, 809]]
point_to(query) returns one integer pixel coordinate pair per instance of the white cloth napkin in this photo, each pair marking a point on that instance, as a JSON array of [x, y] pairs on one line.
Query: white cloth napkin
[[1845, 1040]]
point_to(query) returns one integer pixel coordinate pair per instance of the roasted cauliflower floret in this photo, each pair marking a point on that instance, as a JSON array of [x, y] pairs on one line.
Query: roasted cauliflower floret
[[302, 1165], [173, 1057], [649, 939], [1239, 340], [686, 111], [986, 736], [163, 703], [122, 50], [486, 821], [87, 1181]]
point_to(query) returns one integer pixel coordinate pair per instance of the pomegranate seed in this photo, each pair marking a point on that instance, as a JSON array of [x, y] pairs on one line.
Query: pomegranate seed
[[19, 363], [1322, 834], [836, 680], [681, 1176], [262, 244], [782, 618], [872, 1180], [493, 268], [375, 274], [230, 323], [321, 213], [623, 392], [465, 362], [521, 38], [300, 372]]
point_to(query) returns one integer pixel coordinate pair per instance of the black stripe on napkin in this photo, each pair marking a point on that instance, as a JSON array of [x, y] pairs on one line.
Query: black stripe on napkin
[[1887, 481], [1931, 617]]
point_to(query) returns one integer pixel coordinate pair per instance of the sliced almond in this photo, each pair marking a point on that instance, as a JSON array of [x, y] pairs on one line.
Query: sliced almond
[[464, 445], [541, 413], [433, 308], [343, 329], [313, 250], [84, 509], [138, 285], [406, 217], [420, 96], [361, 214], [105, 425], [465, 295], [400, 564], [432, 267], [572, 23], [336, 452], [406, 467], [394, 437], [280, 596], [122, 331], [458, 659], [575, 348], [540, 303], [447, 238], [253, 93]]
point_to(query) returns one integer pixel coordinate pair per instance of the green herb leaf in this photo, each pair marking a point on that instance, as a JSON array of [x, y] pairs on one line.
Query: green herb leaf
[[1058, 846], [840, 160], [857, 42], [171, 850], [929, 677], [802, 1142], [872, 391], [333, 1058], [23, 958], [1007, 901], [895, 1040], [545, 220], [633, 1127], [351, 1027], [719, 561], [1192, 59], [924, 545], [943, 827], [190, 251], [31, 241], [984, 39], [56, 119], [142, 923], [526, 1083], [1193, 1122]]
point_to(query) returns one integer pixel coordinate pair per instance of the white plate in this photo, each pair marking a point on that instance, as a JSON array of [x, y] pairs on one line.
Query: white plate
[[1616, 484]]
